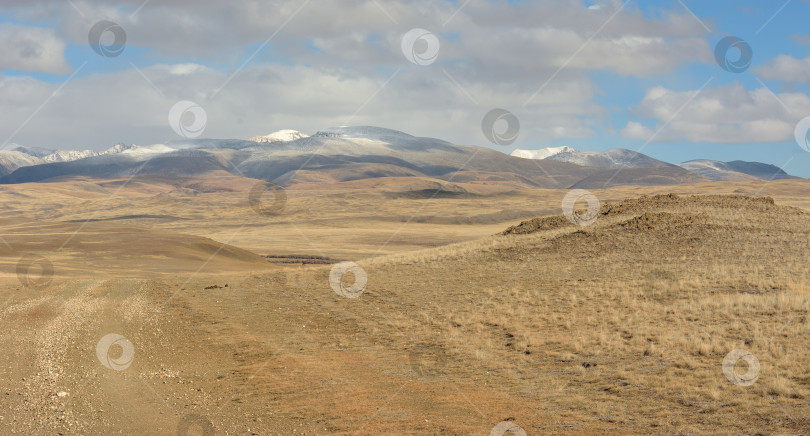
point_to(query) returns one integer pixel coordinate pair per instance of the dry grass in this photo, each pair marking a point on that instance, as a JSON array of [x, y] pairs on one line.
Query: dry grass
[[340, 223], [616, 328], [631, 321]]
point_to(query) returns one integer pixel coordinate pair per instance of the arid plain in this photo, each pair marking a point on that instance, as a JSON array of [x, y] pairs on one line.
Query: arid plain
[[620, 327]]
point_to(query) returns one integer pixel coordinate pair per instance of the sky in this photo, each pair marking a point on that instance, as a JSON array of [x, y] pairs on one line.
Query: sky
[[590, 74]]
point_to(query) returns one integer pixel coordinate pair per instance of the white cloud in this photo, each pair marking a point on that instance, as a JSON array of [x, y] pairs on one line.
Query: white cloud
[[636, 130], [728, 114], [500, 40], [31, 49], [123, 106], [787, 68], [498, 53]]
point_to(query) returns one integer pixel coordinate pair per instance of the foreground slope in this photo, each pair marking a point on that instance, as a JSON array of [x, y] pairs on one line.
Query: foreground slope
[[558, 328]]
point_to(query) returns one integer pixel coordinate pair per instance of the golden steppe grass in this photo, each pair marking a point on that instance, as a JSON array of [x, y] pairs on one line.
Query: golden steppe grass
[[616, 328], [623, 326]]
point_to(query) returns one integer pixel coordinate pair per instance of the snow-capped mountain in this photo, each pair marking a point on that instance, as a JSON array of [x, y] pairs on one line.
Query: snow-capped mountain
[[71, 155], [613, 158], [623, 158], [349, 153], [10, 160], [542, 153], [22, 156], [31, 151], [285, 135], [146, 151], [337, 154]]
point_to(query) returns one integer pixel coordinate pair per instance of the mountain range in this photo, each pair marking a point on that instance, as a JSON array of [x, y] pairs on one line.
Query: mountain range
[[617, 158], [21, 156], [346, 154]]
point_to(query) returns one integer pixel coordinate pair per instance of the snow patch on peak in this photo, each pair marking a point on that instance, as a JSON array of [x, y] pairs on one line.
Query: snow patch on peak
[[140, 152], [68, 155], [71, 155], [699, 164], [613, 158], [286, 135], [119, 148], [364, 132], [542, 153]]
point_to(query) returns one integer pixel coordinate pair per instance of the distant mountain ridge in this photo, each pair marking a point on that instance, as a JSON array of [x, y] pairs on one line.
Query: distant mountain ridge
[[71, 155], [623, 158], [333, 155], [613, 158], [349, 153], [20, 156], [735, 170]]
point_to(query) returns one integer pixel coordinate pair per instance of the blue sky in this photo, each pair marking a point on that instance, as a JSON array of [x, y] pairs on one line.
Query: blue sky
[[748, 20], [610, 73]]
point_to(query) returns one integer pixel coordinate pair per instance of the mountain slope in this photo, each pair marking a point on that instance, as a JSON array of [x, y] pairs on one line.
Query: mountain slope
[[71, 155], [670, 175], [613, 158], [176, 164], [10, 160], [735, 171]]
